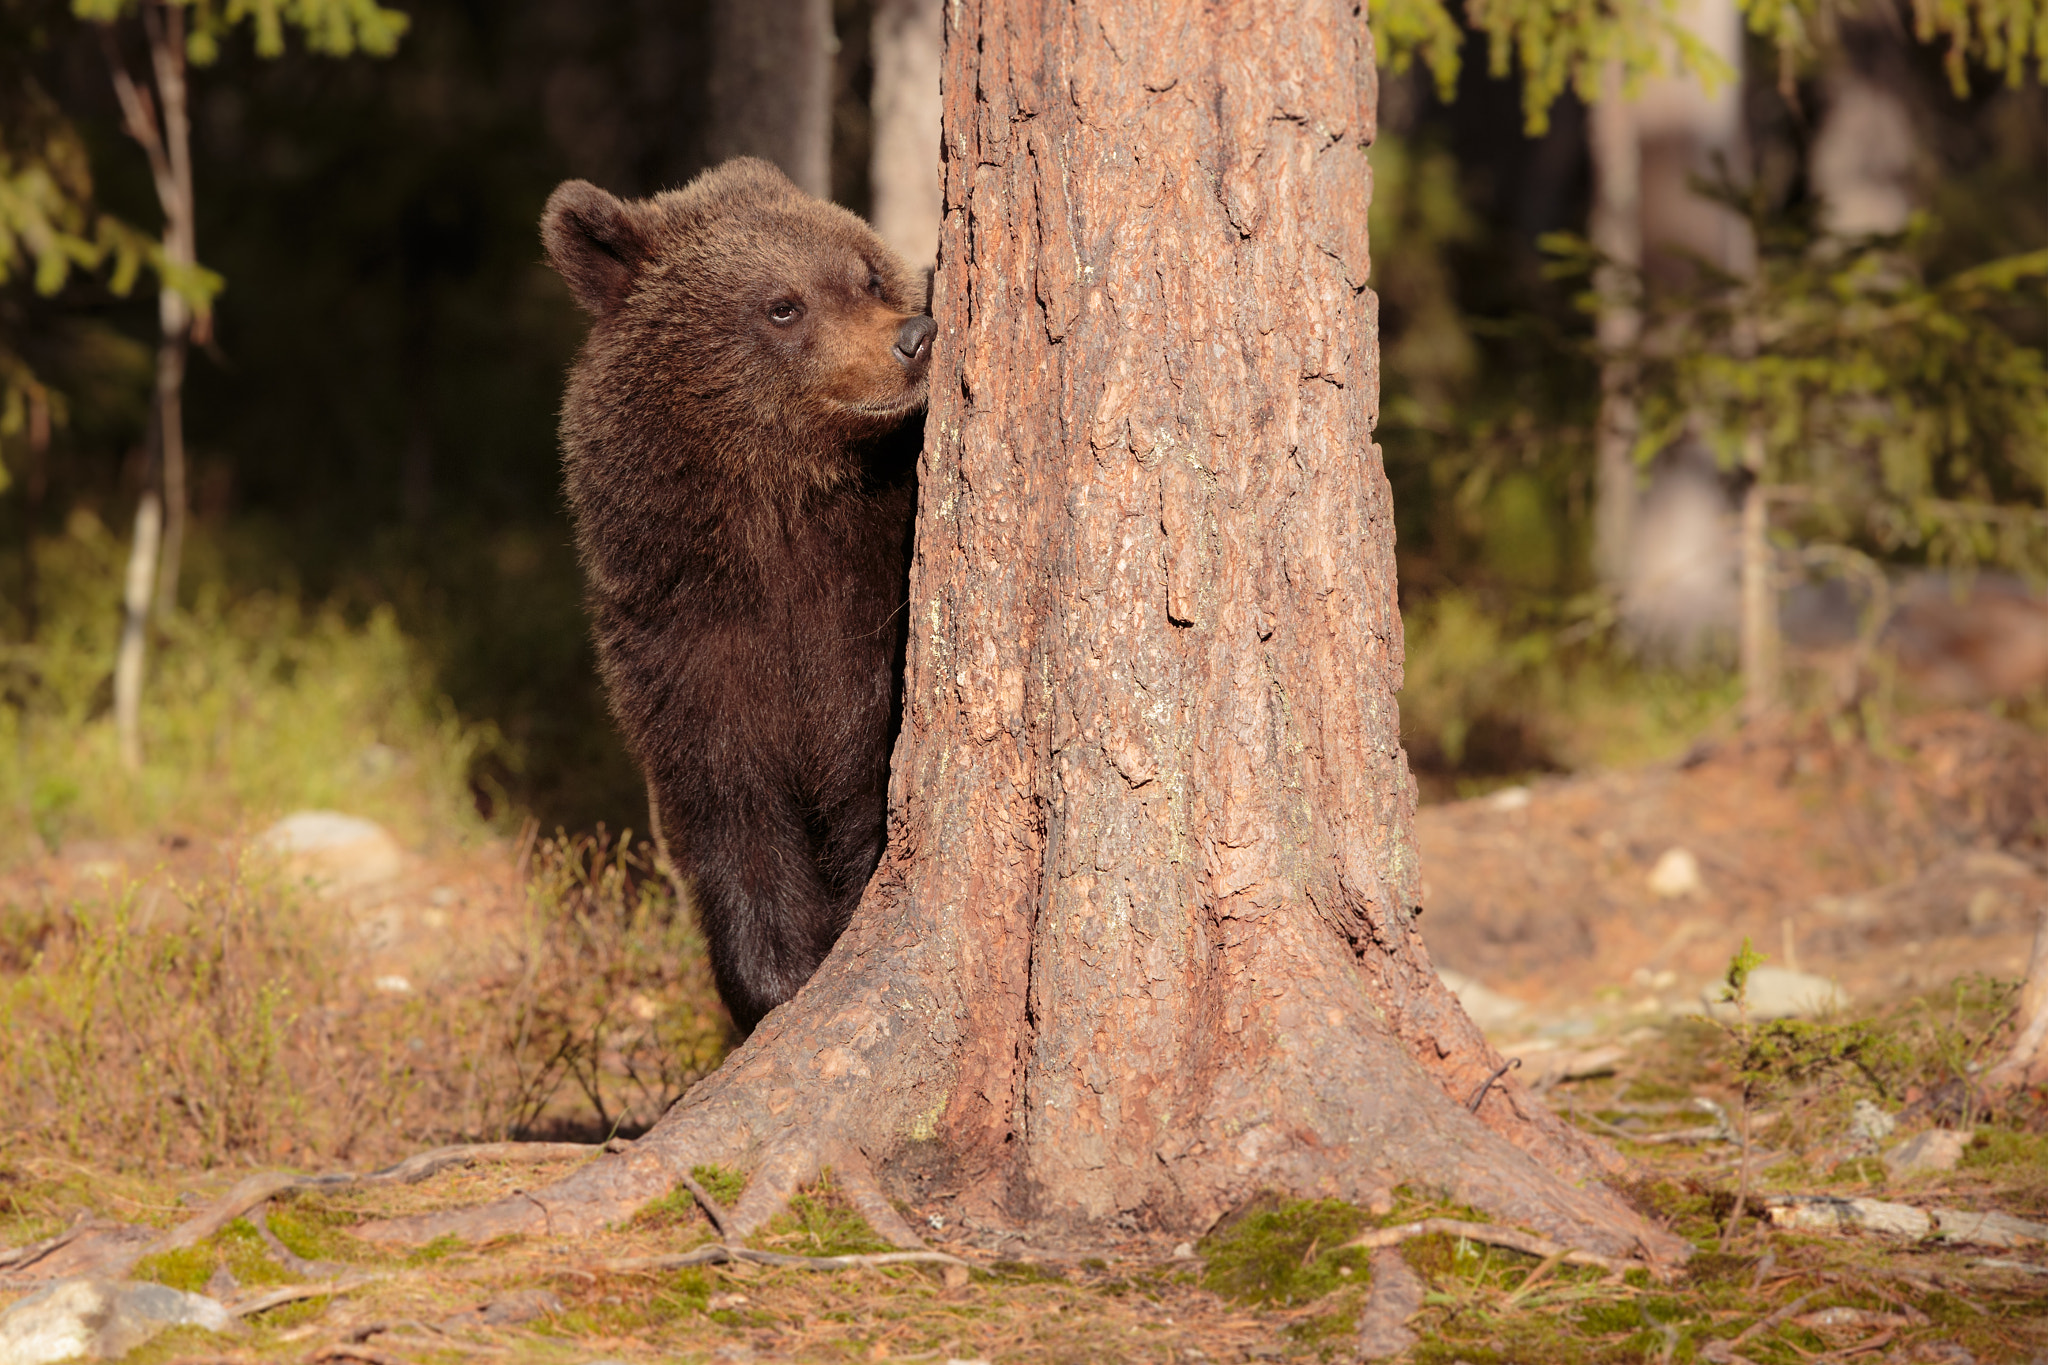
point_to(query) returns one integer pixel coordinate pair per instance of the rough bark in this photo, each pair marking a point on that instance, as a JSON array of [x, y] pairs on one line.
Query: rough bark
[[1144, 941], [770, 87], [903, 171]]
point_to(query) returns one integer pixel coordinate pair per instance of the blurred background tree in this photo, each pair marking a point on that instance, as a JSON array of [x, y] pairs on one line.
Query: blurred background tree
[[370, 424]]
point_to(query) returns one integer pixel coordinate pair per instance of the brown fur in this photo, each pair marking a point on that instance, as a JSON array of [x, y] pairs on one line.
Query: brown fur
[[743, 489]]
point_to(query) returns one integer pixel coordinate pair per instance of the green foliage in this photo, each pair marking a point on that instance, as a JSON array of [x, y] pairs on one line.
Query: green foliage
[[1895, 413], [1735, 983], [333, 28], [1497, 695], [1999, 34], [1553, 47], [1280, 1252], [259, 705]]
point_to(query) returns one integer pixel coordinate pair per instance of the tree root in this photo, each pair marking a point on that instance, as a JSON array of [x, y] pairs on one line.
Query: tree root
[[717, 1253], [1511, 1238]]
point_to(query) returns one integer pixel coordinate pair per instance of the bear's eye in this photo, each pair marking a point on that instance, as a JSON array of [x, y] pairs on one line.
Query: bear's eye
[[875, 285], [783, 312]]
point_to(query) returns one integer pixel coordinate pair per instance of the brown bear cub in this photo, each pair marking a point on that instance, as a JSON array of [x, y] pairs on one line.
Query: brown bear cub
[[740, 439]]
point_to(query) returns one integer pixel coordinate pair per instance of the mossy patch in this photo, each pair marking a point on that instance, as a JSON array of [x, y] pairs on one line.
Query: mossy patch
[[440, 1249], [1279, 1252], [819, 1222], [721, 1182]]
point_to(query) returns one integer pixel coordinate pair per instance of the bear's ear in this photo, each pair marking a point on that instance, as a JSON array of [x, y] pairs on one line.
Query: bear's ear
[[593, 243]]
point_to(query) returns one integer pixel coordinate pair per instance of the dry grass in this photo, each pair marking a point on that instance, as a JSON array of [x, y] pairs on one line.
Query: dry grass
[[226, 1020]]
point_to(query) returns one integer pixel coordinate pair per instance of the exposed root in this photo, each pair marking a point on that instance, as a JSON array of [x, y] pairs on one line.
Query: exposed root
[[717, 1253], [719, 1219], [1510, 1238], [293, 1293], [858, 1185]]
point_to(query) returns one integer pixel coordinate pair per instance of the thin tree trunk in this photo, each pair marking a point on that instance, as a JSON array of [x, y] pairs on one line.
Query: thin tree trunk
[[128, 658], [1759, 621], [168, 146], [1144, 940], [1617, 232], [903, 170], [165, 28], [770, 89]]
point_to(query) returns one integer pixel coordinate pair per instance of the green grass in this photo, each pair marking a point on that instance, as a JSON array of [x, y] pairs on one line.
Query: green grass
[[254, 704]]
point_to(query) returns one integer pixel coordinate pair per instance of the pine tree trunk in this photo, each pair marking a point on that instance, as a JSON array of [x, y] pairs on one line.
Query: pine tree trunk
[[903, 171], [1617, 233], [1144, 940], [770, 88], [166, 32]]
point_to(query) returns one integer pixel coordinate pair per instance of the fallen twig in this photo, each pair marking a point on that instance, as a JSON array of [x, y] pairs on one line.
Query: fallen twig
[[1479, 1095], [292, 1293], [714, 1253], [1766, 1323], [1510, 1238]]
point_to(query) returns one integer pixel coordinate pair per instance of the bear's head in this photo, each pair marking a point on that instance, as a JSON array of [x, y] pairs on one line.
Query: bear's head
[[739, 318]]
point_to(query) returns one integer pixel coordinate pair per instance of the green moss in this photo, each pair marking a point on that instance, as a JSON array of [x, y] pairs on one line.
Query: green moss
[[440, 1249], [676, 1209], [316, 1231], [246, 1256], [721, 1183], [1278, 1252], [1017, 1272], [187, 1268], [819, 1222], [2004, 1151]]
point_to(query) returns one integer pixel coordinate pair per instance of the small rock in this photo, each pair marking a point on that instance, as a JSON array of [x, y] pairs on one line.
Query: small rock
[[1183, 1251], [1676, 874], [99, 1319], [1937, 1149], [1509, 798], [340, 853], [722, 1301], [392, 984], [1488, 1008], [1780, 993], [1870, 1125]]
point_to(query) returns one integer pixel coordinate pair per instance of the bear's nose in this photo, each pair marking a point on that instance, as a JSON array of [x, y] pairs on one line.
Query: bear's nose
[[914, 341]]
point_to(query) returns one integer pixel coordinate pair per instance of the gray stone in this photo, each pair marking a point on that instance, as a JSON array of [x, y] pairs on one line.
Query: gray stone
[[1937, 1149], [1780, 993], [338, 853], [1869, 1125], [99, 1320]]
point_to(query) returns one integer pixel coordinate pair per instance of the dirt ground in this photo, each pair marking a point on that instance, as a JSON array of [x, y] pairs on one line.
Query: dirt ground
[[1892, 867]]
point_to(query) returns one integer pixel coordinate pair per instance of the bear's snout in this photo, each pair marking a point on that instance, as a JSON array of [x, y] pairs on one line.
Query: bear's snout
[[914, 342]]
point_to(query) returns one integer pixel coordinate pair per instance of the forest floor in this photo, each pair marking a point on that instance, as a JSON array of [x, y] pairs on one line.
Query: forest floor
[[178, 1014]]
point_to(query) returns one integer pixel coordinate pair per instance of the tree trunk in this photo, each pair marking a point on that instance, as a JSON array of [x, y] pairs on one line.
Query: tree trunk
[[903, 172], [1617, 233], [166, 33], [770, 92], [128, 656], [1144, 940]]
